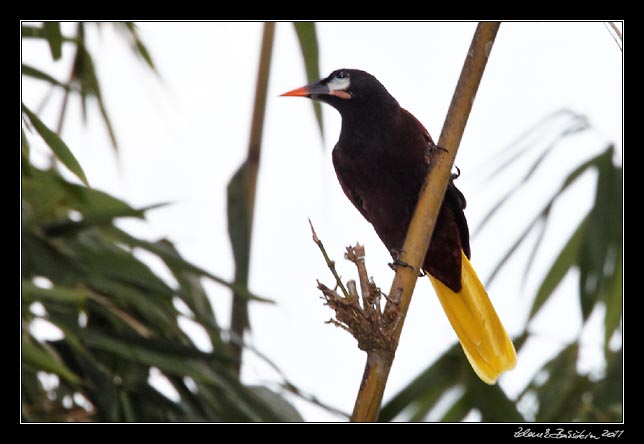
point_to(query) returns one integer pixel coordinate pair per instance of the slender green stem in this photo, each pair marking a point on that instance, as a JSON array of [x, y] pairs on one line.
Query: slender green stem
[[72, 74], [330, 263]]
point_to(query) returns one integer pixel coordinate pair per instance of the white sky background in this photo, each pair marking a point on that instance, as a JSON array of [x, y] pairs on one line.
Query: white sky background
[[183, 137]]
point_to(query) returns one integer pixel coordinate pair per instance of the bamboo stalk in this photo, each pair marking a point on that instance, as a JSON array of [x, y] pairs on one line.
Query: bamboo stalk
[[239, 307], [420, 230]]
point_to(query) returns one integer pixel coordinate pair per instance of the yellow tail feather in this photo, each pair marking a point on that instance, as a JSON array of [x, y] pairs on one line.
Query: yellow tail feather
[[483, 338]]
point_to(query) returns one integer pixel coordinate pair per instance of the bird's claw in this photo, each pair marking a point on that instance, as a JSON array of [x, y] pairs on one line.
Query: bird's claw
[[457, 174], [398, 263], [434, 147]]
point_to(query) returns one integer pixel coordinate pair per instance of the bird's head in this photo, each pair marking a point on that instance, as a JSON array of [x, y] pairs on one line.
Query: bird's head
[[346, 90]]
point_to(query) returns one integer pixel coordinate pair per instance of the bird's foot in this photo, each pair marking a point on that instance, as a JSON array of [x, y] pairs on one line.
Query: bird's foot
[[395, 253], [398, 263], [434, 147], [431, 149], [457, 174]]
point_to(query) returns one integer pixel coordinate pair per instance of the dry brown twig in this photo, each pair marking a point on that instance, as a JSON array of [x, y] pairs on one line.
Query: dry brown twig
[[359, 311]]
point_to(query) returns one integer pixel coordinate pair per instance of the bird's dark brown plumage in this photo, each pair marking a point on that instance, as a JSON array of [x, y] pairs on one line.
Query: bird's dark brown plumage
[[381, 160]]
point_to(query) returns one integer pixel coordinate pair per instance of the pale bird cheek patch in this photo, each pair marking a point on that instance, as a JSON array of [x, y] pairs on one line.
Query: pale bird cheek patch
[[337, 87]]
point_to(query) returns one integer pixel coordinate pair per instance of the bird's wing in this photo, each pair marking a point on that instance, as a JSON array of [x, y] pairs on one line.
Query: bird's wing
[[453, 197], [456, 201], [353, 196]]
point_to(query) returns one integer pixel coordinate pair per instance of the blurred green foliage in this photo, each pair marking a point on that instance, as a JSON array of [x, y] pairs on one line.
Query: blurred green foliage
[[118, 318]]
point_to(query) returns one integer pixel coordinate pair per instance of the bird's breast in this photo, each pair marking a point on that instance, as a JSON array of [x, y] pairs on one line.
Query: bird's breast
[[383, 185]]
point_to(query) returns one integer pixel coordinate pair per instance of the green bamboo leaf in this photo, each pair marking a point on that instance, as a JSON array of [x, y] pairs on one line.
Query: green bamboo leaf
[[491, 401], [54, 38], [51, 198], [613, 288], [40, 360], [92, 202], [237, 403], [539, 220], [307, 38], [602, 216], [587, 285], [596, 254], [32, 32], [593, 162], [144, 53], [487, 217], [31, 293], [239, 224], [128, 350], [567, 258], [106, 120], [99, 255], [541, 231], [121, 316], [561, 396], [85, 74], [575, 123], [613, 302], [59, 148], [171, 257], [94, 218], [146, 398], [234, 401], [139, 49], [88, 84], [427, 388], [572, 176], [542, 217], [82, 64], [126, 406], [280, 405], [24, 153], [426, 400], [192, 403], [457, 411], [43, 194], [124, 267], [525, 142], [194, 295], [154, 312], [72, 337], [607, 394], [168, 347], [618, 201], [28, 70], [42, 258], [100, 380]]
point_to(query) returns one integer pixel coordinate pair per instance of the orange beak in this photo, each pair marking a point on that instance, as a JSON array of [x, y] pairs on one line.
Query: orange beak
[[298, 92]]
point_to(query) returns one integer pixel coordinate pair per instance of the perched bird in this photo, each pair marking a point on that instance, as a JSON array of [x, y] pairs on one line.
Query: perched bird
[[381, 160]]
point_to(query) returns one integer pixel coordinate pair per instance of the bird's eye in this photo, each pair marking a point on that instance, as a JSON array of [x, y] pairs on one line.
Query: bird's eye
[[339, 84]]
